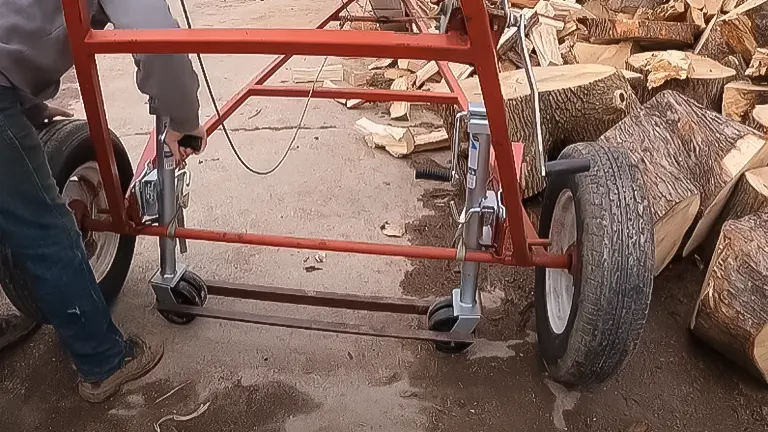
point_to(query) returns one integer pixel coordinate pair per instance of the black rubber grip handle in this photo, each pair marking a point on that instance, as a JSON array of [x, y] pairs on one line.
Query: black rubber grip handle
[[433, 173], [192, 142], [567, 167]]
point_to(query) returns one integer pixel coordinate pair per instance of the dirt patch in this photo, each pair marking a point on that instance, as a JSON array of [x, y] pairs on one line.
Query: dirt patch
[[673, 382], [39, 393]]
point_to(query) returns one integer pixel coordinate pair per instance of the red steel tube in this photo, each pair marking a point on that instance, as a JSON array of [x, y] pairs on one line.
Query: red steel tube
[[479, 30], [449, 47], [354, 93], [78, 25], [366, 248]]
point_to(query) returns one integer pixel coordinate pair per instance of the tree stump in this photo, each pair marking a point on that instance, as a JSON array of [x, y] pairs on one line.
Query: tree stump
[[731, 314], [749, 196], [697, 77], [578, 103]]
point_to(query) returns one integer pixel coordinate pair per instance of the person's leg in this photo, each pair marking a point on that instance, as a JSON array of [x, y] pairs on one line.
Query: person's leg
[[41, 233]]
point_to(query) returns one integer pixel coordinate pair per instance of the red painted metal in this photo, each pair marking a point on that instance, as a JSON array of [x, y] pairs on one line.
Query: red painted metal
[[526, 248], [450, 47], [78, 26]]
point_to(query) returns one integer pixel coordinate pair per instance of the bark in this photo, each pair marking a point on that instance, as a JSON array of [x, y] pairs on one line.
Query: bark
[[741, 97], [739, 32], [696, 77], [732, 310], [648, 33], [578, 103], [615, 55], [749, 196], [673, 197]]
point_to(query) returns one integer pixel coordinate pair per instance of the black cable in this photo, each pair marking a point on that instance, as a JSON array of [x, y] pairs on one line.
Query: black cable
[[218, 113]]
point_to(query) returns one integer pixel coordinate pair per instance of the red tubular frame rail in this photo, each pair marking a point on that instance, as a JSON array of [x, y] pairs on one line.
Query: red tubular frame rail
[[476, 47]]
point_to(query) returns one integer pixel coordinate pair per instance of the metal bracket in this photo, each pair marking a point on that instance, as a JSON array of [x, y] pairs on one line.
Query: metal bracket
[[162, 284], [147, 193], [468, 315]]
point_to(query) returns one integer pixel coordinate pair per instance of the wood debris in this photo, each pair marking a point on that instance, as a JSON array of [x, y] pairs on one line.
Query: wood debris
[[308, 75], [758, 67], [401, 141]]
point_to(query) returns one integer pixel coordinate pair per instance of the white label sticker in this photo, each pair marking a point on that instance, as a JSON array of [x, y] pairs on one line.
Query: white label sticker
[[471, 181], [474, 146], [170, 164]]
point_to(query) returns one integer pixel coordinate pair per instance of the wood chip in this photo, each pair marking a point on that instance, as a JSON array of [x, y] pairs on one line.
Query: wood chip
[[392, 230]]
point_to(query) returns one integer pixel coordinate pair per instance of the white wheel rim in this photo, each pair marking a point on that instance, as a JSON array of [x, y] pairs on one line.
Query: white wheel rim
[[559, 282], [85, 185]]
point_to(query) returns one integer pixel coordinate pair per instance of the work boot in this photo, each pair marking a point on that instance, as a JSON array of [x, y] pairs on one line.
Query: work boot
[[144, 358], [14, 328]]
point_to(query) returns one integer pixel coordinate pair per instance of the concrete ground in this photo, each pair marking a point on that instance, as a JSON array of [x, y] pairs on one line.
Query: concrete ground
[[254, 378]]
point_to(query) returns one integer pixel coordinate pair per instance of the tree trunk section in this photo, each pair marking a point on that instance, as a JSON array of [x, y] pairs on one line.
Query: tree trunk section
[[759, 119], [696, 77], [732, 310], [673, 197], [741, 97], [749, 196], [650, 33], [578, 103]]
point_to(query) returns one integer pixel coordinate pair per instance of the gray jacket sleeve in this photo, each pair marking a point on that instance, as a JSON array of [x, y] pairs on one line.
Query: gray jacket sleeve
[[168, 79]]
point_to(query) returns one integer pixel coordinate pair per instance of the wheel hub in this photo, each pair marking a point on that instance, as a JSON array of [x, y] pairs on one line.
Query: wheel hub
[[559, 282], [84, 194]]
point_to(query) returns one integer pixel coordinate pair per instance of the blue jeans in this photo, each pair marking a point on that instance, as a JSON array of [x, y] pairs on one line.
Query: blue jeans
[[38, 229]]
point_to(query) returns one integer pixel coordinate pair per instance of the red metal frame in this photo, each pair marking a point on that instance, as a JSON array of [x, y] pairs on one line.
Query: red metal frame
[[477, 47]]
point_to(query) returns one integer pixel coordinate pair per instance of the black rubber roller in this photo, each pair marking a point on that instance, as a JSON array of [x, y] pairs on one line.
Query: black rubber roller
[[433, 173]]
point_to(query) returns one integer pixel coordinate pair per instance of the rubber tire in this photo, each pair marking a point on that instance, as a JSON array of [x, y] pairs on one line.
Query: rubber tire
[[440, 318], [613, 273], [67, 145], [191, 290]]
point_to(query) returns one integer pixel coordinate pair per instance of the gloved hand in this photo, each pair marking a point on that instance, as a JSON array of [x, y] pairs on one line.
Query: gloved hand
[[182, 153]]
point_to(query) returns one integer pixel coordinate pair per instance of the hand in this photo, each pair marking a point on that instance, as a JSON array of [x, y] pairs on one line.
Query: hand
[[182, 153], [52, 112]]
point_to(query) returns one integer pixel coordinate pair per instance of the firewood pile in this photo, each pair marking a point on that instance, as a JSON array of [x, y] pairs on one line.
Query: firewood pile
[[683, 86]]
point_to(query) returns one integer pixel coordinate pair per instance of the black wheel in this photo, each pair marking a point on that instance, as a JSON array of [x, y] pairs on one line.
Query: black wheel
[[191, 291], [440, 318], [72, 160], [590, 321]]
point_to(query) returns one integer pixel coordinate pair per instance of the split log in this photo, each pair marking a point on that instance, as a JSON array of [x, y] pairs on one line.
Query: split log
[[381, 64], [736, 62], [740, 32], [396, 140], [349, 103], [741, 97], [699, 78], [731, 313], [673, 197], [648, 33], [673, 10], [395, 73], [758, 68], [578, 103], [615, 55], [749, 196], [759, 119], [308, 75], [401, 110], [411, 65]]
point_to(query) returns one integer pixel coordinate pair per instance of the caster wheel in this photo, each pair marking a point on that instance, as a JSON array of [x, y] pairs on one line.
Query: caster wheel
[[589, 321], [191, 291], [440, 318]]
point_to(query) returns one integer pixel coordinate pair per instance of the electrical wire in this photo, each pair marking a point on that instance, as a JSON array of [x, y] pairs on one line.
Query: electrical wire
[[224, 129]]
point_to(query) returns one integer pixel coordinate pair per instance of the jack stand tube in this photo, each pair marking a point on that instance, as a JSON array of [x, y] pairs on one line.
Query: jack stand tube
[[466, 305], [170, 271]]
